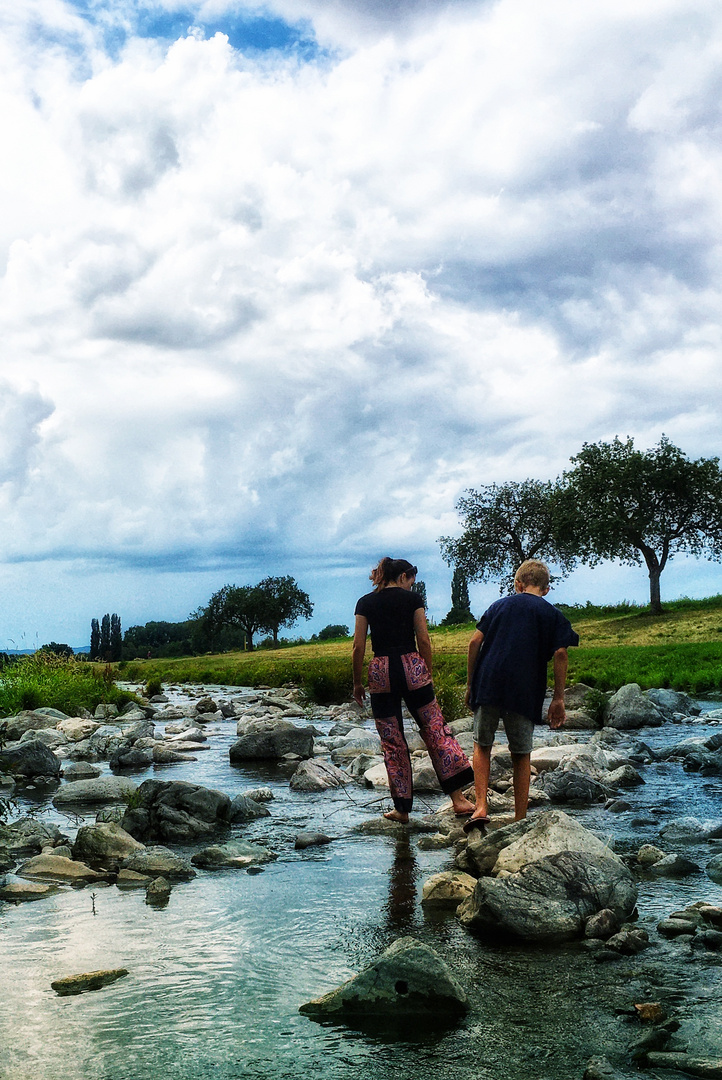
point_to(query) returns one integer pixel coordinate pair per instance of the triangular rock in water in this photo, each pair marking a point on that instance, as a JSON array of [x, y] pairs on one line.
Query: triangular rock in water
[[409, 978]]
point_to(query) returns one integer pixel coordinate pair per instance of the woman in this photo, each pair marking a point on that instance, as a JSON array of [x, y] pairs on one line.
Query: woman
[[401, 671]]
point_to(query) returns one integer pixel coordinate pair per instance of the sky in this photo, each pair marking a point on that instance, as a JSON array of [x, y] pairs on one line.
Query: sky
[[278, 282]]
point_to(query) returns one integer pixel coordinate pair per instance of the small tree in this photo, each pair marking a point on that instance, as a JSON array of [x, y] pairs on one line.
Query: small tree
[[460, 604], [94, 639], [504, 524], [284, 604], [333, 630], [419, 587], [635, 505], [57, 649]]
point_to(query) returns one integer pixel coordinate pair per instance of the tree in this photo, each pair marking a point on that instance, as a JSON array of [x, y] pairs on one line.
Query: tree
[[504, 524], [116, 638], [419, 587], [333, 630], [238, 606], [460, 604], [635, 505], [105, 637], [284, 604], [94, 651], [58, 649]]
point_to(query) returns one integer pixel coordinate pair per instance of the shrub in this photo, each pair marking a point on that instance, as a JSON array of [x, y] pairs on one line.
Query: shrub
[[152, 687], [595, 703], [333, 630], [327, 682], [450, 696]]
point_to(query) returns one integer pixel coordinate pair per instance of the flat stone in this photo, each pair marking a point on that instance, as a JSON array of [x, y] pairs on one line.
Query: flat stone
[[160, 862], [128, 879], [93, 980], [101, 790], [447, 889], [17, 892], [676, 928], [236, 854], [57, 868], [310, 839]]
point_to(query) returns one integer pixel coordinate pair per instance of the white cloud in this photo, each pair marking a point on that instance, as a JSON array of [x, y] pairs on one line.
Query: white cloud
[[286, 309]]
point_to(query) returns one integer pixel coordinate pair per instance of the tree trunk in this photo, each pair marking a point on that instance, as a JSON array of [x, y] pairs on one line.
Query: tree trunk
[[655, 602]]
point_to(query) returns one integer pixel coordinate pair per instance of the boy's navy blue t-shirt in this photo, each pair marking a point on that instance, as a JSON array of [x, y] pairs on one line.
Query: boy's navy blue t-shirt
[[521, 634]]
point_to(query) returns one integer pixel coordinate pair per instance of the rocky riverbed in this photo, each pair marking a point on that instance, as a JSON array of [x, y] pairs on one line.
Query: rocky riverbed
[[226, 849]]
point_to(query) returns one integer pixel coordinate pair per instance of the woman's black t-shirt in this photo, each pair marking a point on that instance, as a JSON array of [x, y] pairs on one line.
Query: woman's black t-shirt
[[390, 615]]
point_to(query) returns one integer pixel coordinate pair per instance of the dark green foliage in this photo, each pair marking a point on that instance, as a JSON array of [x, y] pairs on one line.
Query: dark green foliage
[[504, 524], [104, 653], [166, 639], [59, 650], [94, 652], [116, 638], [333, 630], [460, 604], [327, 682], [284, 604], [450, 695], [419, 587], [636, 506], [595, 703], [274, 602], [153, 687], [695, 668]]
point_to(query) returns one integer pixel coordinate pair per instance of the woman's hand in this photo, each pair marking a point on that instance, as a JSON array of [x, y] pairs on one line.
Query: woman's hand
[[359, 693]]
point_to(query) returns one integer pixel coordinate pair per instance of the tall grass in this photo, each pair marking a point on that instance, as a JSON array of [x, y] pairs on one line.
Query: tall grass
[[50, 681]]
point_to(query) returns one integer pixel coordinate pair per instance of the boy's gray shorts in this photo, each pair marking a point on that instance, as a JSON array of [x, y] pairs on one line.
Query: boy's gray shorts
[[519, 730]]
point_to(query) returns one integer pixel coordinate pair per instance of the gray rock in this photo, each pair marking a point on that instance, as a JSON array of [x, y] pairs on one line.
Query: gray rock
[[629, 942], [714, 869], [676, 928], [19, 892], [260, 794], [30, 759], [571, 787], [81, 770], [409, 978], [550, 899], [163, 755], [50, 736], [648, 855], [160, 862], [47, 867], [131, 759], [138, 729], [630, 708], [670, 702], [310, 839], [243, 808], [105, 712], [624, 776], [689, 830], [602, 925], [318, 776], [158, 892], [236, 854], [673, 866], [104, 789], [278, 738], [28, 720], [106, 843], [176, 812], [28, 836]]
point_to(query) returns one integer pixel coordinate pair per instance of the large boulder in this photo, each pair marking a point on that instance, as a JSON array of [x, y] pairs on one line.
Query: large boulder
[[630, 708], [522, 842], [318, 776], [356, 741], [273, 739], [75, 728], [104, 789], [30, 759], [105, 843], [408, 979], [571, 787], [550, 899], [176, 812], [50, 736]]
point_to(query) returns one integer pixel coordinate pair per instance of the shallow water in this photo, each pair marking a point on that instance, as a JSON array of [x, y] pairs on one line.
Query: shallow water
[[216, 978]]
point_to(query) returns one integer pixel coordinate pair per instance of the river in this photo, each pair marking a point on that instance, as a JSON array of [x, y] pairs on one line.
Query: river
[[217, 976]]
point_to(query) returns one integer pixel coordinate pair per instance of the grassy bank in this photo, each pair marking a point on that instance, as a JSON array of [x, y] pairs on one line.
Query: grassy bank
[[48, 681]]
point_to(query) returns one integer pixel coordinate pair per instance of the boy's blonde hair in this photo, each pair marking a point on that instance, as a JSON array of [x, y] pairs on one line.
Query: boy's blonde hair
[[533, 572]]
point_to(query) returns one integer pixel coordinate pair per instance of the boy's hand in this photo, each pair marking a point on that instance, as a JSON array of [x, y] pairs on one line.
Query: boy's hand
[[359, 694], [557, 713], [467, 697]]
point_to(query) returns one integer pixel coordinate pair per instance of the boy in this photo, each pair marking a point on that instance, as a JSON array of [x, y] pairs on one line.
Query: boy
[[507, 674]]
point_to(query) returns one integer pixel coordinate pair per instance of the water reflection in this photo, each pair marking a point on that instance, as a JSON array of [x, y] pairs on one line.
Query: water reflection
[[400, 912]]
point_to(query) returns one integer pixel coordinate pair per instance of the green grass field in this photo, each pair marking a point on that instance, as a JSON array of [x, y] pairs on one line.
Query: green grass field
[[681, 648]]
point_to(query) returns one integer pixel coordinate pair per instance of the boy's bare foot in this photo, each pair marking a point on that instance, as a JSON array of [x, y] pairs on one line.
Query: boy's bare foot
[[396, 815]]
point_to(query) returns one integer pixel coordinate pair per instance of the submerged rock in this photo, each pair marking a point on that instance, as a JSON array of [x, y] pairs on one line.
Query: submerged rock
[[93, 980], [408, 979], [310, 839], [236, 854]]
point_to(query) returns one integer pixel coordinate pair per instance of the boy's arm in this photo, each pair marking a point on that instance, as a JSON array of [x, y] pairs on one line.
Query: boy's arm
[[472, 657], [557, 713]]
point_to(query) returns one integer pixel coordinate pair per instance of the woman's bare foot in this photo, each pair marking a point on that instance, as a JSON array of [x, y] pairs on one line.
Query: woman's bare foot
[[462, 806], [397, 815]]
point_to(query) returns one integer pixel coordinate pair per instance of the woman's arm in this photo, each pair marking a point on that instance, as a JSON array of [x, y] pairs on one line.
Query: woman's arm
[[358, 653], [423, 641]]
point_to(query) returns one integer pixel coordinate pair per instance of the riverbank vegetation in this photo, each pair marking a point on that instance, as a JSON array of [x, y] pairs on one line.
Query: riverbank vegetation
[[682, 649], [46, 680]]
